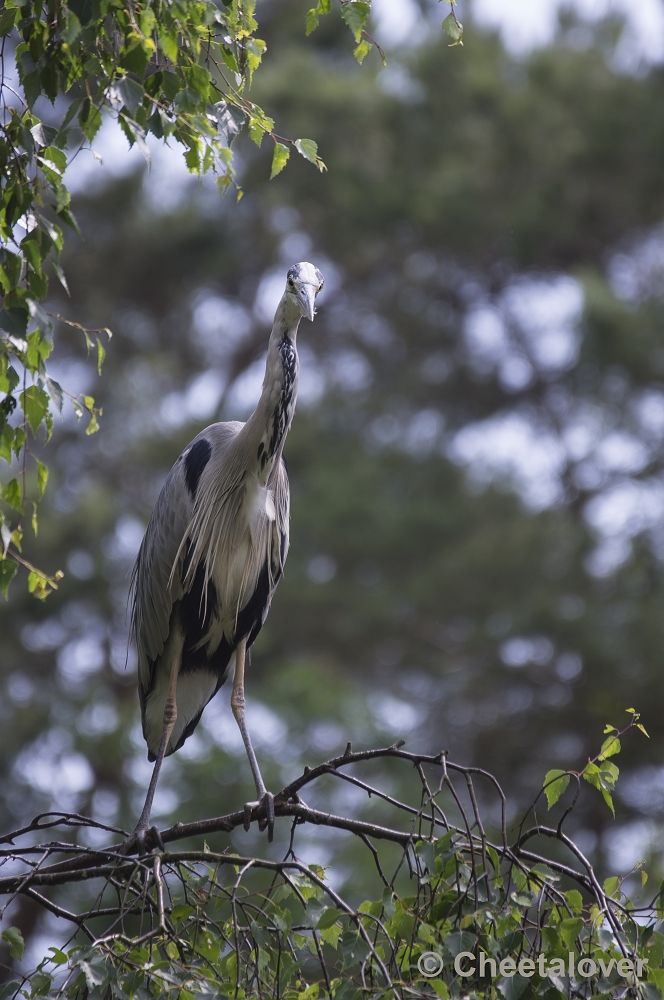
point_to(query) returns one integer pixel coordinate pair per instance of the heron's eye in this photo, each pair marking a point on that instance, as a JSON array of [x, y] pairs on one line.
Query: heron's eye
[[291, 283]]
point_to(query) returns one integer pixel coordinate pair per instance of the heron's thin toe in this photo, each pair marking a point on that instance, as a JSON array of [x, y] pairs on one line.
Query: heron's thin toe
[[268, 799], [158, 837], [135, 843], [143, 840], [266, 802]]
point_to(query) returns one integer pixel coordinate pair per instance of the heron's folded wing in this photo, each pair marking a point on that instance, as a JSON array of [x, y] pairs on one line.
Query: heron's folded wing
[[157, 573]]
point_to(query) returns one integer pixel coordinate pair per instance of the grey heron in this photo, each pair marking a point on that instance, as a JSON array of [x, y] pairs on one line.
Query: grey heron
[[212, 555]]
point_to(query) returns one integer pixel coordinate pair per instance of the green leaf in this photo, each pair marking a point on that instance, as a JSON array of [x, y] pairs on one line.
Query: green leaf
[[402, 923], [346, 990], [72, 27], [31, 253], [34, 403], [308, 149], [279, 159], [331, 935], [9, 377], [6, 442], [39, 585], [134, 58], [126, 93], [514, 987], [328, 917], [570, 928], [101, 354], [259, 124], [31, 87], [38, 351], [312, 21], [229, 58], [14, 320], [555, 783], [362, 51], [67, 216], [8, 990], [610, 747], [603, 778], [8, 20], [40, 984], [575, 900], [7, 570], [41, 318], [168, 41], [321, 8], [254, 50], [93, 426], [13, 494], [198, 78], [55, 391], [61, 277], [42, 478], [355, 13], [454, 29], [230, 120], [14, 939], [187, 100], [611, 885]]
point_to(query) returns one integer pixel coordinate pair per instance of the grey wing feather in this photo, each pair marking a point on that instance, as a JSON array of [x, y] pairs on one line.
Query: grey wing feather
[[157, 574], [155, 587]]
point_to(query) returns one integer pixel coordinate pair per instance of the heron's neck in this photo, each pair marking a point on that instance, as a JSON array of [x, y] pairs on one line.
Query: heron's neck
[[268, 425]]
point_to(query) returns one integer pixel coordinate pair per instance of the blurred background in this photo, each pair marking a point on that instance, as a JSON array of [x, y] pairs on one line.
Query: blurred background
[[477, 456]]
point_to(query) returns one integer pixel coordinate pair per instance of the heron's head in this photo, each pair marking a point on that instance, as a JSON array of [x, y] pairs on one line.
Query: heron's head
[[303, 283]]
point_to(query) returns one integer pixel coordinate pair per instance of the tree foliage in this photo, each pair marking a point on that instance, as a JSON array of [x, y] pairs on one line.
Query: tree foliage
[[186, 923], [180, 71]]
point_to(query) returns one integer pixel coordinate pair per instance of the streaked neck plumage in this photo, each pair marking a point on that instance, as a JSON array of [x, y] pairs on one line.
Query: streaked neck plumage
[[267, 427]]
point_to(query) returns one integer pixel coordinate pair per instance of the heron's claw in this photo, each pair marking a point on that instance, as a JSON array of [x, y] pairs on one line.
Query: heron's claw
[[137, 842], [265, 802], [268, 802]]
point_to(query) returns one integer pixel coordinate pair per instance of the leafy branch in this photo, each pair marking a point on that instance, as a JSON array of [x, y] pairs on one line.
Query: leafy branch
[[184, 922], [452, 26], [178, 70], [600, 772]]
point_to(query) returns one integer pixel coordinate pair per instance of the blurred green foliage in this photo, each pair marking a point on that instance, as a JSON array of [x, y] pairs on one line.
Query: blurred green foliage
[[178, 71], [476, 559]]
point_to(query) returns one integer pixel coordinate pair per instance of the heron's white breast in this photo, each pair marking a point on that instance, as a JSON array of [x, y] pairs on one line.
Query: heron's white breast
[[240, 559]]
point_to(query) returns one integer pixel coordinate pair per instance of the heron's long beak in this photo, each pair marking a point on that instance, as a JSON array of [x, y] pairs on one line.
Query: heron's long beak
[[307, 296]]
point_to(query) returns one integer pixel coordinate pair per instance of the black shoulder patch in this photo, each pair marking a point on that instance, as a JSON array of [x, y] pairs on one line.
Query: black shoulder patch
[[195, 461]]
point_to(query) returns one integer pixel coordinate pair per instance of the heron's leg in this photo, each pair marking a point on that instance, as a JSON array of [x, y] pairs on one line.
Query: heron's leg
[[238, 706], [170, 718]]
